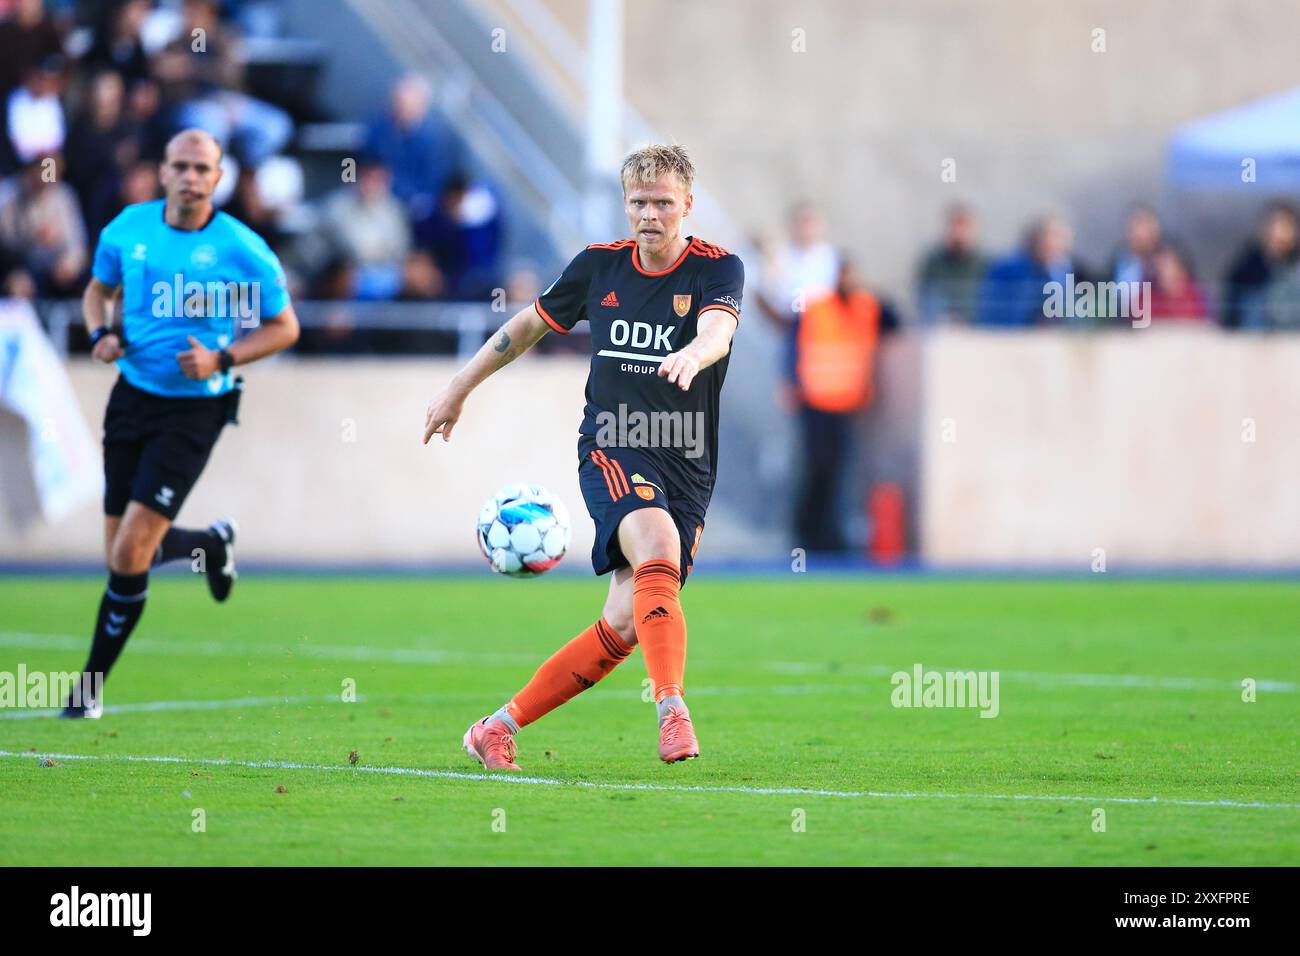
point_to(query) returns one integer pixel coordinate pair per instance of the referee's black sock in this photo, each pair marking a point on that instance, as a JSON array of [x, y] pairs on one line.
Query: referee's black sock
[[183, 542], [120, 609]]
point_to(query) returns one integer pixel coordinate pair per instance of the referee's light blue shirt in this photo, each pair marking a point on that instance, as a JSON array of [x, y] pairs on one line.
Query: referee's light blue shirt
[[209, 283]]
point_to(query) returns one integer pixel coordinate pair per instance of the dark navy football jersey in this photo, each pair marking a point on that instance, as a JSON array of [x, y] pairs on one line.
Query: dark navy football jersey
[[636, 318]]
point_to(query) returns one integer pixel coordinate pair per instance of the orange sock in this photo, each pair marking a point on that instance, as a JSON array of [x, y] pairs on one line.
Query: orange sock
[[660, 626], [568, 672]]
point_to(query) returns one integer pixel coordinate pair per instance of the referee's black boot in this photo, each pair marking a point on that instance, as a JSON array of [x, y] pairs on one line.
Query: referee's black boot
[[221, 573], [82, 705]]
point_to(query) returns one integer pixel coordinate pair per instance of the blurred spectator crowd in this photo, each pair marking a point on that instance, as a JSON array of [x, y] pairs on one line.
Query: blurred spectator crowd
[[958, 282], [92, 91]]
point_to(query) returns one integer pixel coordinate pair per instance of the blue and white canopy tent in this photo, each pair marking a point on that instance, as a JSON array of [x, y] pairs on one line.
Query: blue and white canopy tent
[[1209, 201], [1210, 152]]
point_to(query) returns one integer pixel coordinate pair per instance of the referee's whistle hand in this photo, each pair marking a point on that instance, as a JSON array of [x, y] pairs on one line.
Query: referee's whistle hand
[[198, 362]]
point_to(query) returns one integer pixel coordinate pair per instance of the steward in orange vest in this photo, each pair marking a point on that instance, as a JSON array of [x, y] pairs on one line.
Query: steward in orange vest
[[834, 354], [835, 348]]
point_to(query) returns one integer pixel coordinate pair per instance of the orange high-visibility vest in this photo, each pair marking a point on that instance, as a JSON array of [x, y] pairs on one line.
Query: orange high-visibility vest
[[836, 351]]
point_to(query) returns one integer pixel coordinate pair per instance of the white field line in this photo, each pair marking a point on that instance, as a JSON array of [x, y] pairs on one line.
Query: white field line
[[1143, 681], [151, 706], [668, 788], [399, 655]]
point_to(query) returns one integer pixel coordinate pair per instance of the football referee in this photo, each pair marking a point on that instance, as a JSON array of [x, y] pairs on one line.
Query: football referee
[[187, 277]]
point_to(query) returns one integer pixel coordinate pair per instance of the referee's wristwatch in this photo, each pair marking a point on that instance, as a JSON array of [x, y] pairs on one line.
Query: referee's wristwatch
[[102, 331], [225, 361]]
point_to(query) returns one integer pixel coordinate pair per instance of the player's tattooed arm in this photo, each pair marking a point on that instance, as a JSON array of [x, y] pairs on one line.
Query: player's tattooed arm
[[712, 341], [512, 340]]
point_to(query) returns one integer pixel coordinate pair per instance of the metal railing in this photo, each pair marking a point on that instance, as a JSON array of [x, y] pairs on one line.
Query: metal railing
[[1274, 307], [469, 322]]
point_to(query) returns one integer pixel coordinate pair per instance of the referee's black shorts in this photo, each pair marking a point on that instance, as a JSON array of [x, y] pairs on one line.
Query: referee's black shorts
[[155, 447], [617, 481]]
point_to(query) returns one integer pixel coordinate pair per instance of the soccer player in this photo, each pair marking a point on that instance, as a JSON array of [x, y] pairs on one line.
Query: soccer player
[[662, 309], [186, 275]]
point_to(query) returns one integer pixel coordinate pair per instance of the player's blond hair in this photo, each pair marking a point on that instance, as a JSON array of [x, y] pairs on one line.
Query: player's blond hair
[[648, 163]]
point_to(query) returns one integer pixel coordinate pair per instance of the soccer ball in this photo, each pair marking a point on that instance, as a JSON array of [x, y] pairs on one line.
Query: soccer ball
[[523, 530]]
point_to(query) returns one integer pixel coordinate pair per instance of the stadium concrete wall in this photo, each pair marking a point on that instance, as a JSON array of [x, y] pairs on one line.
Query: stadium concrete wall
[[1166, 446], [327, 464]]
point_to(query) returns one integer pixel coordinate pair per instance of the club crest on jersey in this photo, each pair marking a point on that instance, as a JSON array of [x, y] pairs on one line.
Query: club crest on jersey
[[681, 304]]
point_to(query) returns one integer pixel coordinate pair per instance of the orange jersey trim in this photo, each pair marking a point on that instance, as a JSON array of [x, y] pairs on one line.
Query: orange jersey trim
[[547, 318], [708, 249], [694, 246], [621, 476], [614, 469], [721, 308], [636, 261], [609, 482]]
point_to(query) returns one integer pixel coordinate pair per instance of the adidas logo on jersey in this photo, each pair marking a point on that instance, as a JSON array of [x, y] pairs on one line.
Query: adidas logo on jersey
[[656, 613], [610, 299]]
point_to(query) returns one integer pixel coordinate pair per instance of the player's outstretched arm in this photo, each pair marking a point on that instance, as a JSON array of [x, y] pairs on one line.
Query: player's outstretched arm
[[96, 304], [271, 336], [712, 341], [512, 340]]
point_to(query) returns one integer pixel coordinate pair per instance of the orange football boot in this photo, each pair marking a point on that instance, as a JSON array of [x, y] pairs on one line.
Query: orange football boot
[[492, 745], [677, 737]]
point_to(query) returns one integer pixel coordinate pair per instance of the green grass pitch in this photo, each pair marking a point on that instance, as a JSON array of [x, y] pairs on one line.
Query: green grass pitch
[[1117, 695]]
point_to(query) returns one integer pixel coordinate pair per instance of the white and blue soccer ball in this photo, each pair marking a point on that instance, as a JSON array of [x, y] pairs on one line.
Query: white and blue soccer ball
[[523, 530]]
